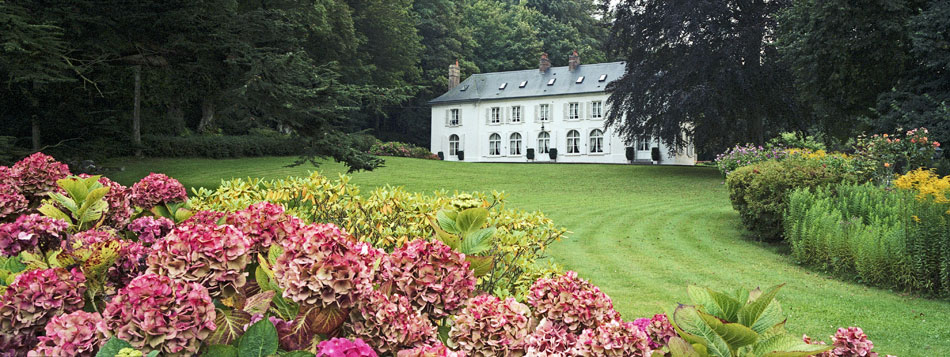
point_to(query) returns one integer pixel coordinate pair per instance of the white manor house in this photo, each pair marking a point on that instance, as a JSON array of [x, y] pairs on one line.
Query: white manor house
[[550, 114]]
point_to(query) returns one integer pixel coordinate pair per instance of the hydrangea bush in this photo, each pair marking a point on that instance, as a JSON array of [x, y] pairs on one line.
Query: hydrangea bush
[[436, 279], [32, 300], [78, 333], [744, 155], [571, 302], [156, 189], [211, 255], [489, 326]]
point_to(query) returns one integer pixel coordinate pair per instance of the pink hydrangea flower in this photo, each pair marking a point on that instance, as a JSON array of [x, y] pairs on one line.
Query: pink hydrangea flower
[[435, 349], [263, 224], [156, 189], [29, 231], [389, 323], [614, 338], [852, 342], [211, 255], [32, 300], [157, 313], [341, 347], [7, 177], [658, 329], [150, 229], [120, 207], [206, 217], [12, 203], [549, 339], [36, 175], [489, 326], [131, 263], [321, 267], [78, 333], [572, 302], [436, 279]]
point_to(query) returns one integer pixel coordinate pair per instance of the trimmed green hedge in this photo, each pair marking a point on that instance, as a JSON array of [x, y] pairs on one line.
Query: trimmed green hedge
[[221, 146]]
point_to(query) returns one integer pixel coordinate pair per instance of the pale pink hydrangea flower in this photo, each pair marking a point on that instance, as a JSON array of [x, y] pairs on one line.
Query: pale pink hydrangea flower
[[614, 338], [852, 342], [341, 347], [30, 231], [435, 349], [263, 224], [32, 300], [436, 279], [12, 203], [659, 330], [571, 302], [157, 313], [78, 333], [150, 229], [549, 339], [156, 189], [36, 175], [389, 323], [213, 256], [489, 326]]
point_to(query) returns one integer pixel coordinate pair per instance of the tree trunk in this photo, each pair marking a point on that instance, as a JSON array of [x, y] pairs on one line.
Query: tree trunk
[[35, 123], [175, 116], [137, 113], [207, 115]]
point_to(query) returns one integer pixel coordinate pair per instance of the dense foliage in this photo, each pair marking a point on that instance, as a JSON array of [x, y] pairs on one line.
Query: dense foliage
[[401, 150]]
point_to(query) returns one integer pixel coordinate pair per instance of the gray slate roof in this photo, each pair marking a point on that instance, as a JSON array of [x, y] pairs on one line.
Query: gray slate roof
[[484, 86]]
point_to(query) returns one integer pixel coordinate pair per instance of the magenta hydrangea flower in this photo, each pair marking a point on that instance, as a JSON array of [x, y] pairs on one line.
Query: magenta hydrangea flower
[[321, 267], [489, 326], [7, 177], [12, 203], [156, 189], [436, 279], [32, 300], [263, 224], [549, 339], [29, 231], [120, 207], [211, 255], [389, 323], [341, 347], [434, 349], [658, 329], [614, 338], [150, 229], [206, 217], [36, 175], [78, 333], [572, 302], [852, 342], [131, 263], [155, 312]]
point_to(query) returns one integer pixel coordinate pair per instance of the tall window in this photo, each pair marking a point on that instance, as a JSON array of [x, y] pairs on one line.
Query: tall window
[[597, 109], [544, 112], [643, 145], [574, 111], [495, 115], [514, 144], [494, 145], [516, 114], [454, 117], [544, 142], [453, 145], [573, 142], [596, 141]]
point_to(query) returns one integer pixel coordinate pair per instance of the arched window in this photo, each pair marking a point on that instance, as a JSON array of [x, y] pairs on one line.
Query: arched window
[[514, 144], [573, 142], [453, 145], [544, 142], [596, 141], [494, 144]]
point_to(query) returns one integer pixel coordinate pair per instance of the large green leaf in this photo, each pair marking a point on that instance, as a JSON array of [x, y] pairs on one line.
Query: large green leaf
[[691, 327], [701, 297], [94, 197], [76, 189], [680, 348], [112, 347], [477, 241], [259, 303], [230, 325], [480, 265], [67, 202], [51, 211], [446, 221], [260, 340], [728, 306], [735, 335], [220, 351], [286, 309], [786, 345], [471, 219], [754, 315]]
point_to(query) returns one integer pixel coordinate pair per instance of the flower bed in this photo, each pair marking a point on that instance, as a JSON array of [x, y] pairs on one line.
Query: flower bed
[[177, 281]]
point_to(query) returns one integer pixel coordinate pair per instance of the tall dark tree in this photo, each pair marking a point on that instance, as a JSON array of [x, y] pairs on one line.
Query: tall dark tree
[[703, 70], [843, 54], [568, 25]]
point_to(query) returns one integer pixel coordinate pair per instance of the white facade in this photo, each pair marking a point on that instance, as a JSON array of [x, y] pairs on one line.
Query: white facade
[[503, 130]]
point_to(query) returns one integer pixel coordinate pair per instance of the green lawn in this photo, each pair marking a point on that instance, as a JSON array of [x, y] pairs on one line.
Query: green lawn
[[642, 233]]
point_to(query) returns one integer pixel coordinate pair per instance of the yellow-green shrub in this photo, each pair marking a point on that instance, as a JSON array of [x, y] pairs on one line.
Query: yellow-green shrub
[[388, 217]]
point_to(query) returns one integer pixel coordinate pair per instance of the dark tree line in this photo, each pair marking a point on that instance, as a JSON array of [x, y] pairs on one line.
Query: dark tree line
[[738, 71], [85, 74]]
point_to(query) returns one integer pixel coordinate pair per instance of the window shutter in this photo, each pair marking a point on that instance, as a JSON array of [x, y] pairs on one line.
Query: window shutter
[[448, 115], [537, 113], [580, 110], [553, 136], [567, 108], [488, 115]]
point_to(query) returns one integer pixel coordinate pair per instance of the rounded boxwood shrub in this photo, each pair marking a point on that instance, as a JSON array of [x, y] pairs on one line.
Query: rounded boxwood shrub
[[760, 191]]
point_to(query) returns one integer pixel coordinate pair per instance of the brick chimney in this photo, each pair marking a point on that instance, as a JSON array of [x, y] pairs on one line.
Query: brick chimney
[[574, 61], [455, 75], [545, 63]]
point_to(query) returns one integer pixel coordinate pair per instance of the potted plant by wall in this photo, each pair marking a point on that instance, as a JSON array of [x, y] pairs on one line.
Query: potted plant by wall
[[461, 155], [441, 155], [553, 154], [631, 153], [655, 153], [530, 154]]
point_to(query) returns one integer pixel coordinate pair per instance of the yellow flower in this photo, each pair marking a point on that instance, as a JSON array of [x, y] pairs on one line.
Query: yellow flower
[[916, 219]]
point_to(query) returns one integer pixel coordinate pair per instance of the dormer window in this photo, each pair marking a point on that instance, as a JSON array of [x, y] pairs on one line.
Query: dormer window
[[551, 82], [580, 79], [603, 77], [503, 86], [465, 87], [523, 84]]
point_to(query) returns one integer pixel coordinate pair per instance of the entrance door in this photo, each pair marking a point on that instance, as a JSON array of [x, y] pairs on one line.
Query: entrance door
[[644, 148]]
